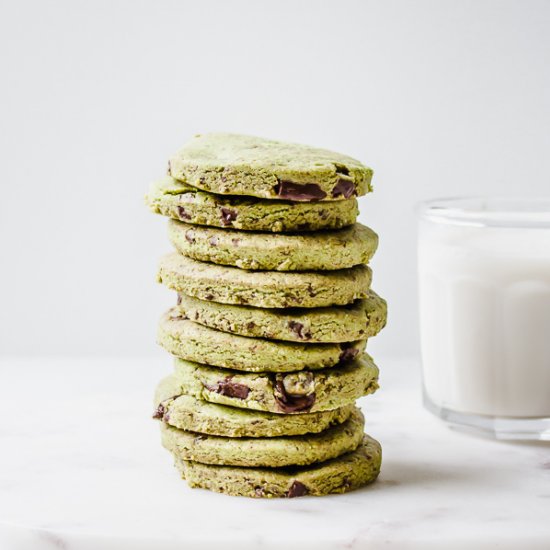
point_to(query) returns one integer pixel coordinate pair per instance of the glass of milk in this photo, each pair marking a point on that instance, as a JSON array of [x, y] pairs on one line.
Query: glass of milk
[[484, 290]]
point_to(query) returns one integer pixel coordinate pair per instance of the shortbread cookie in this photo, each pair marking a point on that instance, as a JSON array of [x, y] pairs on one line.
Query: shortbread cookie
[[272, 452], [283, 393], [180, 201], [188, 413], [339, 475], [362, 319], [317, 251], [194, 342], [270, 289], [232, 164]]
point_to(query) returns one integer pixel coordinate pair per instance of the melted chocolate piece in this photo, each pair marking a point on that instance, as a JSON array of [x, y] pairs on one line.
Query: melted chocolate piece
[[298, 329], [228, 216], [290, 403], [159, 412], [348, 354], [345, 188], [299, 192], [183, 215], [178, 317], [230, 389], [297, 489]]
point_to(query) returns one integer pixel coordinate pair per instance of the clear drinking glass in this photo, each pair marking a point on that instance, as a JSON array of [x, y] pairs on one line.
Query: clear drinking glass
[[484, 296]]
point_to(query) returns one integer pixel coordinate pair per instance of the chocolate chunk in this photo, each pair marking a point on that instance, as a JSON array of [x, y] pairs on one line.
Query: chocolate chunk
[[159, 412], [348, 353], [343, 187], [290, 403], [228, 216], [250, 325], [178, 317], [297, 489], [298, 329], [213, 241], [183, 215], [190, 236], [299, 192], [230, 389], [209, 297]]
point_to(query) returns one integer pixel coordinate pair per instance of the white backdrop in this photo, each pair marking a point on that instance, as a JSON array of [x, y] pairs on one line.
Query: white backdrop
[[439, 97]]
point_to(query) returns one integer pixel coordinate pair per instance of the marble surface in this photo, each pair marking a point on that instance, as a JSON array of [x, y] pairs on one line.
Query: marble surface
[[81, 468]]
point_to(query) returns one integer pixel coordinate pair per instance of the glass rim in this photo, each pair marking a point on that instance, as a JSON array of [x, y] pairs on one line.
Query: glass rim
[[487, 211]]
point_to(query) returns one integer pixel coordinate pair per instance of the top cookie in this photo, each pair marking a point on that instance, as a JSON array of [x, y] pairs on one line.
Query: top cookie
[[232, 164]]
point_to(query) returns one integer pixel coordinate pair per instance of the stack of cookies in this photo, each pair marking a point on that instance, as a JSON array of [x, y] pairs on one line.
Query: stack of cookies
[[273, 313]]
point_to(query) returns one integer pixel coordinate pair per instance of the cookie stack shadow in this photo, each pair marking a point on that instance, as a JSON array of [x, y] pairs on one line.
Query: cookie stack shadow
[[273, 313]]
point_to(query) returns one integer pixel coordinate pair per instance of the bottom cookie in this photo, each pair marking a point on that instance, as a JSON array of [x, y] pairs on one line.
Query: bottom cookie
[[339, 475]]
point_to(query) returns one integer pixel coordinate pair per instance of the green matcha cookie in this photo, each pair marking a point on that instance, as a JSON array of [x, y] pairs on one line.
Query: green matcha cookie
[[193, 342], [231, 164], [339, 475], [195, 415], [318, 251], [273, 452], [271, 289], [283, 393], [177, 200], [362, 319]]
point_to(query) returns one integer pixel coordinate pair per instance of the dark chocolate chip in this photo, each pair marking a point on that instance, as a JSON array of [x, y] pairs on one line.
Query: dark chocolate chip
[[213, 241], [298, 329], [178, 317], [183, 215], [297, 489], [190, 236], [209, 297], [228, 216], [159, 412], [250, 325], [299, 192], [348, 353], [343, 187], [229, 388], [290, 403]]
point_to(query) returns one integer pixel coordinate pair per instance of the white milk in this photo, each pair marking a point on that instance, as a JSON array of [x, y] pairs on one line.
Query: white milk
[[485, 318]]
